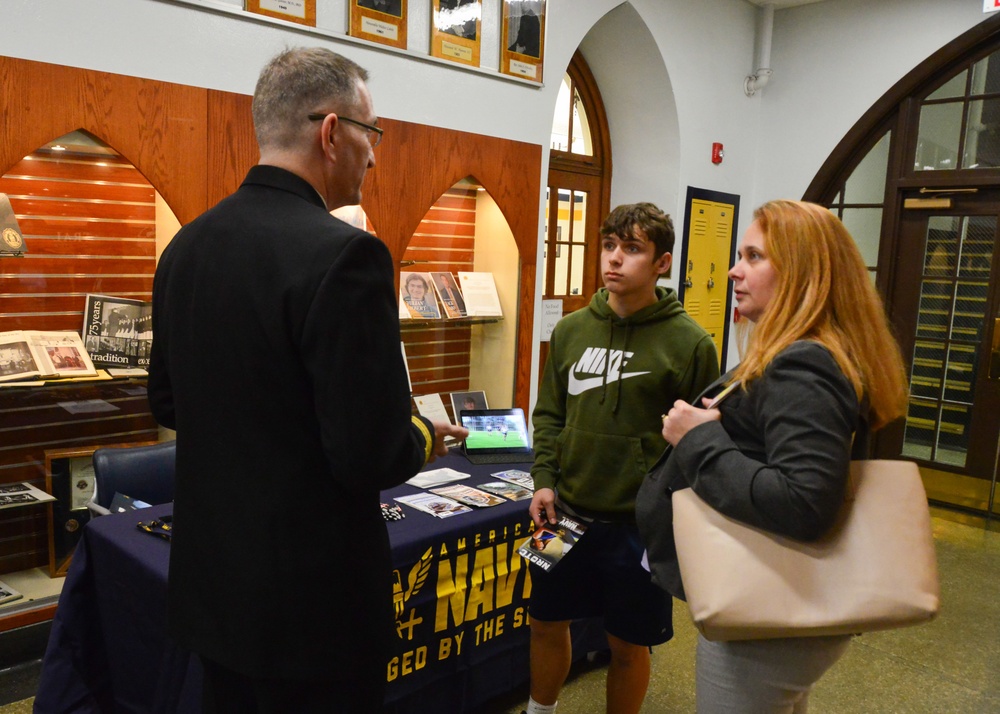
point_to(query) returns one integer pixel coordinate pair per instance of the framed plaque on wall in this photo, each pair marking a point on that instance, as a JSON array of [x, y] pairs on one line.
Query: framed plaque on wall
[[300, 11], [522, 42], [382, 21], [69, 476], [456, 30]]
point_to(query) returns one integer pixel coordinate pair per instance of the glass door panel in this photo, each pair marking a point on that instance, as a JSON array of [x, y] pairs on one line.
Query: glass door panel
[[945, 319], [572, 227], [950, 318]]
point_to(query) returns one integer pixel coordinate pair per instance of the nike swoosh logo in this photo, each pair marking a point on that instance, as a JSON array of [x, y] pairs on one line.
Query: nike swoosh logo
[[579, 386]]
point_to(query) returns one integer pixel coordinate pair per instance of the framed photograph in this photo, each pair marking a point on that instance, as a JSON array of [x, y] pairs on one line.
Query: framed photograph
[[467, 401], [382, 21], [300, 11], [69, 476], [456, 30], [416, 296], [522, 42], [448, 293], [67, 472]]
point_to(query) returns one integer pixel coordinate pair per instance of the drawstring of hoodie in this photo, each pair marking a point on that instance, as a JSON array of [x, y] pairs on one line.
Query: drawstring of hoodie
[[607, 360], [621, 365]]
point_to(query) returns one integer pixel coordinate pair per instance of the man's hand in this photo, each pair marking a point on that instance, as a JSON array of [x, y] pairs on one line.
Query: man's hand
[[444, 429], [543, 507]]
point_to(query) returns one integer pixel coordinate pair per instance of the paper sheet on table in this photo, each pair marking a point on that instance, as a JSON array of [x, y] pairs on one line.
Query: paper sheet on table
[[436, 477]]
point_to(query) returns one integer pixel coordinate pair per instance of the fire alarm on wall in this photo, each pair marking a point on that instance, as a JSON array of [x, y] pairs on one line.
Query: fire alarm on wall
[[717, 153]]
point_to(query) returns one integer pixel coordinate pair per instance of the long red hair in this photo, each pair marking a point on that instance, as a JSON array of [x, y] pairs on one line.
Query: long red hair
[[823, 293]]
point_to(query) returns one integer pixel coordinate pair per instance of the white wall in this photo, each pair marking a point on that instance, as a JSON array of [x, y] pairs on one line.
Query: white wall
[[496, 252], [832, 61]]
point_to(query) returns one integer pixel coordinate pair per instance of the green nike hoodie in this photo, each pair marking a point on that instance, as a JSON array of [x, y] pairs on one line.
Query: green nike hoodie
[[606, 382]]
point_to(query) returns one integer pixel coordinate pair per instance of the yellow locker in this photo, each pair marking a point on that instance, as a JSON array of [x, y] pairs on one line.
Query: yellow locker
[[709, 252]]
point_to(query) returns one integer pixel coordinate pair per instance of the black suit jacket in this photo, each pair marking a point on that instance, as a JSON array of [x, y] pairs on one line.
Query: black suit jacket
[[276, 357]]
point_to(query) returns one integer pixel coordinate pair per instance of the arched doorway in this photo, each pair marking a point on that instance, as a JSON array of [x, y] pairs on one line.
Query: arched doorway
[[578, 194], [917, 181]]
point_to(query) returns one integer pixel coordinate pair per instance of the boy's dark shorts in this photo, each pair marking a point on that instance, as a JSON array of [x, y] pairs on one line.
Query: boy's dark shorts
[[603, 576]]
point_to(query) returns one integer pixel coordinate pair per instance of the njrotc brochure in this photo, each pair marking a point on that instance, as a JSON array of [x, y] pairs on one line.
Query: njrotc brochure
[[468, 495], [510, 491], [439, 506], [517, 476], [549, 543]]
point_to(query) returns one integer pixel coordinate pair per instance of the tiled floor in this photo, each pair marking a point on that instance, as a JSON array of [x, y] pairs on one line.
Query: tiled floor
[[950, 666]]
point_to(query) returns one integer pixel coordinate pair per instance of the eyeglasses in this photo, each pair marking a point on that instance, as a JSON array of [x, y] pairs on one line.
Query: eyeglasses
[[373, 133]]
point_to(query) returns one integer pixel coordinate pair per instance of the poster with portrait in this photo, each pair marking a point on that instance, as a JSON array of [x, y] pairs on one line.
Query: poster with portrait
[[416, 297], [382, 21], [456, 30], [301, 11], [522, 41], [449, 294]]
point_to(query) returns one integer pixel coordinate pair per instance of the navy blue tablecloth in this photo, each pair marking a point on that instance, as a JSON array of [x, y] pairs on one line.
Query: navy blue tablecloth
[[460, 604]]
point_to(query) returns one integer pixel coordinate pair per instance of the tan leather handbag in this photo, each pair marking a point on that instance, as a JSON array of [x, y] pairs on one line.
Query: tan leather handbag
[[874, 570]]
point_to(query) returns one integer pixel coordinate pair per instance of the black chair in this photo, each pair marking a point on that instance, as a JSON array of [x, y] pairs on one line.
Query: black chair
[[144, 473]]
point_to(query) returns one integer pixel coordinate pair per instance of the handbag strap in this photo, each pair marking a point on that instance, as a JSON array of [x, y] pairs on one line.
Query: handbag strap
[[862, 436], [859, 449]]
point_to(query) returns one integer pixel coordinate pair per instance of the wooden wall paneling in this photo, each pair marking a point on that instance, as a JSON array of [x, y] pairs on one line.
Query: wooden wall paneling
[[23, 618], [15, 183], [437, 356], [416, 164], [443, 242], [33, 420], [159, 127], [134, 211], [232, 146], [100, 224], [24, 541]]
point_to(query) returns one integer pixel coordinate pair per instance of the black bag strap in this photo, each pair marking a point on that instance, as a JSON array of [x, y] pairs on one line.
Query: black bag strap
[[862, 436]]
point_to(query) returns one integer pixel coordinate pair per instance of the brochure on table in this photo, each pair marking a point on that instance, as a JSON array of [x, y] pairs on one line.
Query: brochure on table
[[436, 477], [439, 506]]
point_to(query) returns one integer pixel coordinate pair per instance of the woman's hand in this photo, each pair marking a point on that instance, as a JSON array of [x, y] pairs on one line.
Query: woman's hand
[[683, 417]]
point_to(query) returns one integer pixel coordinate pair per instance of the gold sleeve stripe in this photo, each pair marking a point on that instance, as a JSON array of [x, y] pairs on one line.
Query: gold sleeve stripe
[[428, 439]]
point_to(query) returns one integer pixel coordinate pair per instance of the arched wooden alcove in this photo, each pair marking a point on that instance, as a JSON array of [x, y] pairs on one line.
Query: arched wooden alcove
[[417, 163], [195, 145]]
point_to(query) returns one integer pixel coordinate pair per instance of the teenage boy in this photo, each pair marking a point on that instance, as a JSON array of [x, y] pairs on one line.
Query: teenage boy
[[612, 370]]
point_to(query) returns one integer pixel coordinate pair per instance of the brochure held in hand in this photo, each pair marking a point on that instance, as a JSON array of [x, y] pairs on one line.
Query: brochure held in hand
[[550, 543]]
